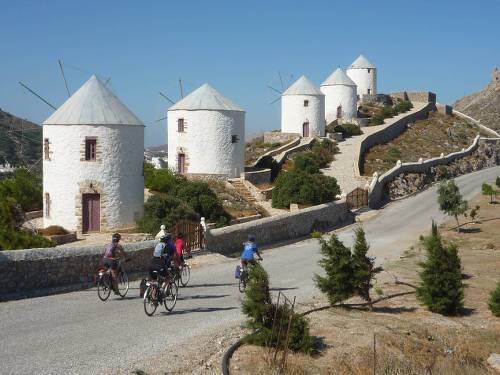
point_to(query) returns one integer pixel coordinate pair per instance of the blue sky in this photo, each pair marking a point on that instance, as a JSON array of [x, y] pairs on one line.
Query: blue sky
[[448, 47]]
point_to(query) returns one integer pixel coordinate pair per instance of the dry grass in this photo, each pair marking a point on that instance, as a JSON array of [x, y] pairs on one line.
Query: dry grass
[[424, 139], [409, 339]]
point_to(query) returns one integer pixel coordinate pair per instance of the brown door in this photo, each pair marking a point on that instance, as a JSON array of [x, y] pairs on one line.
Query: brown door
[[305, 129], [181, 163], [91, 215]]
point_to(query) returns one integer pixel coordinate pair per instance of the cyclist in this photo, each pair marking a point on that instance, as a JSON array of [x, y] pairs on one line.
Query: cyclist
[[250, 248], [111, 254], [162, 256], [161, 232]]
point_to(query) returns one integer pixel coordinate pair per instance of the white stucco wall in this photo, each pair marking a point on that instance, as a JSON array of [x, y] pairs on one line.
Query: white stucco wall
[[365, 79], [206, 141], [343, 95], [294, 114], [120, 172]]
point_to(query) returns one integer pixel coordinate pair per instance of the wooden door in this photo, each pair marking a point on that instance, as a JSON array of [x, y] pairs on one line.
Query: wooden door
[[91, 213], [305, 129], [181, 163]]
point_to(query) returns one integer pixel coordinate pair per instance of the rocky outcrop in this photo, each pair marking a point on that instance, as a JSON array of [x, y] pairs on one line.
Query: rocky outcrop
[[484, 105], [486, 156]]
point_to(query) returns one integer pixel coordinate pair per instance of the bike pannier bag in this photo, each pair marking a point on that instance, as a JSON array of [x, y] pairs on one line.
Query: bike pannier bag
[[142, 288], [237, 272]]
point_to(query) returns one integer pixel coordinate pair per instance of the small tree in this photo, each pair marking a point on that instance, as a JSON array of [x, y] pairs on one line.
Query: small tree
[[257, 297], [473, 214], [441, 288], [450, 200], [497, 182], [487, 189], [338, 284], [494, 303], [364, 267]]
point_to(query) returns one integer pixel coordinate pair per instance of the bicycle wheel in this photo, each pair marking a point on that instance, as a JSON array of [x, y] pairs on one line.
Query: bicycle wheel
[[170, 296], [103, 287], [242, 283], [151, 300], [123, 283], [185, 275]]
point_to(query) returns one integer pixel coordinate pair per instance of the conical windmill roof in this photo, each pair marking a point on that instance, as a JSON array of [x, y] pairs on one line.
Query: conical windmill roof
[[93, 104], [338, 77], [205, 98], [303, 86], [361, 63]]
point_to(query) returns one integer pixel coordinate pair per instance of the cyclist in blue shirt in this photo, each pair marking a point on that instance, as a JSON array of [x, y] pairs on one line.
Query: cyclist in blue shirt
[[247, 256]]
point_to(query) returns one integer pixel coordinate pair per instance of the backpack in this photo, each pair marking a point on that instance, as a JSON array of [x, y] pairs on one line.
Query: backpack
[[237, 272], [142, 288]]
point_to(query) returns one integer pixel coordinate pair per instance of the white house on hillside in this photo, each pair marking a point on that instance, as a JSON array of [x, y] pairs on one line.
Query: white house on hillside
[[93, 162], [364, 75], [303, 109], [340, 97], [206, 135]]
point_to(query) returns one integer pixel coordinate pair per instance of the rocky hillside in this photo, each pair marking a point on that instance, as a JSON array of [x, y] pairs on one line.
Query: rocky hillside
[[484, 105], [20, 140]]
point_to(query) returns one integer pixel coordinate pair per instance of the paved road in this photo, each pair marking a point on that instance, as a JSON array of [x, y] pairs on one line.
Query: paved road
[[75, 333]]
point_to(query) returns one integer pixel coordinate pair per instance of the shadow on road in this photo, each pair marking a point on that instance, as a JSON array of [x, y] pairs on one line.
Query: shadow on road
[[203, 296], [197, 310], [209, 285], [278, 289]]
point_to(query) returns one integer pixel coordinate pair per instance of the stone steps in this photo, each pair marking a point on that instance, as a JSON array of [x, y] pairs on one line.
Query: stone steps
[[243, 190]]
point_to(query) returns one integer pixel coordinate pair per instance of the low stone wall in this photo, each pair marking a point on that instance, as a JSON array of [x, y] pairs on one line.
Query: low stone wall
[[258, 163], [375, 196], [22, 271], [207, 176], [390, 132], [475, 122], [288, 226], [415, 96], [34, 215], [275, 137], [258, 176]]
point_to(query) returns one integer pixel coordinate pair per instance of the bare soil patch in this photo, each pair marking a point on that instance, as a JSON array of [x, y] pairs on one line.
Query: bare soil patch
[[425, 139]]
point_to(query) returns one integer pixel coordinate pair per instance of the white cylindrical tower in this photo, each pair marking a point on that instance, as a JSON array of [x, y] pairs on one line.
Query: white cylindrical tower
[[340, 97], [364, 75], [93, 162], [206, 135], [303, 109]]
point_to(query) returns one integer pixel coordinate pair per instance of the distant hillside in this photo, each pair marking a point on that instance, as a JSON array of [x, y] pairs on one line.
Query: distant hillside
[[161, 148], [484, 105], [20, 141]]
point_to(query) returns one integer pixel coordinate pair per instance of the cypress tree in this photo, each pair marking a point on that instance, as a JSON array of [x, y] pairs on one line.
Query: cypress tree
[[364, 267], [494, 303], [450, 200], [441, 288], [338, 284], [257, 297]]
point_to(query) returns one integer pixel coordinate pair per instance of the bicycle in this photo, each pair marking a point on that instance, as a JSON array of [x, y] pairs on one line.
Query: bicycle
[[244, 278], [155, 294], [182, 274], [105, 281]]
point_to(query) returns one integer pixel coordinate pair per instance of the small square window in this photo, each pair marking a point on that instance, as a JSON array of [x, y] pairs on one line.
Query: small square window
[[234, 139], [180, 125], [306, 103], [90, 149], [46, 149]]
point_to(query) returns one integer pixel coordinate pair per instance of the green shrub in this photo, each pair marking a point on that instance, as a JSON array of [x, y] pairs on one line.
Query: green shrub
[[403, 106], [161, 180], [303, 188], [22, 239], [166, 210], [388, 112], [497, 182], [25, 188], [441, 172], [338, 283], [316, 234], [377, 119], [348, 130], [441, 288], [258, 307], [494, 302], [306, 162]]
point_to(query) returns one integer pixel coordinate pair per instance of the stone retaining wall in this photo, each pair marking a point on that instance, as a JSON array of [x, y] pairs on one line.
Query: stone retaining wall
[[23, 271], [288, 226], [475, 122], [272, 153], [34, 214], [375, 197], [258, 176], [415, 96]]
